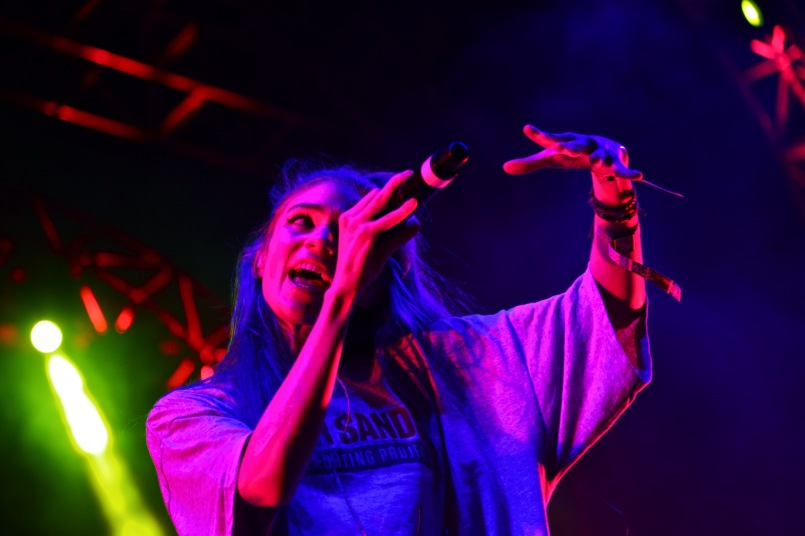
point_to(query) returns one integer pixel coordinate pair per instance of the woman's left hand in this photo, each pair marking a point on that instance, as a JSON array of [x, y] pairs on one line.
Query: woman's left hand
[[603, 157]]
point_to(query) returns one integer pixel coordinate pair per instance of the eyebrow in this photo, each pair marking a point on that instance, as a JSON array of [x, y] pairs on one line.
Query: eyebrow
[[308, 206]]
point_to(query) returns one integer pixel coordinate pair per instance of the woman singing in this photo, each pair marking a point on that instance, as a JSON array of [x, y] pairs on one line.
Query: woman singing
[[354, 399]]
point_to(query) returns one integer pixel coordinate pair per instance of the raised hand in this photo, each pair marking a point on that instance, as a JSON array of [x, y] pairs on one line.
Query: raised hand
[[363, 248], [603, 157]]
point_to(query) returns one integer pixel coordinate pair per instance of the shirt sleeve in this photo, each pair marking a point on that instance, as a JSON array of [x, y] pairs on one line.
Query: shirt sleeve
[[196, 442], [557, 364], [581, 368]]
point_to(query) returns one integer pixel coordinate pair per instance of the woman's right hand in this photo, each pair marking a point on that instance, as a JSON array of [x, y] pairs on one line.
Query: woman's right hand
[[363, 248], [284, 439]]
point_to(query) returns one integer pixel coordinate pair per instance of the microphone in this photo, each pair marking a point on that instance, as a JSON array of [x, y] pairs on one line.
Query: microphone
[[435, 174]]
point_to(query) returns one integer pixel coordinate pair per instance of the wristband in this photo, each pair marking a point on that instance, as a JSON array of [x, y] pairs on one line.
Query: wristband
[[617, 248], [616, 213]]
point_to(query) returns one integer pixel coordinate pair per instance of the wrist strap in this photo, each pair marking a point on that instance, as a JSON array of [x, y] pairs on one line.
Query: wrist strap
[[617, 247], [616, 213]]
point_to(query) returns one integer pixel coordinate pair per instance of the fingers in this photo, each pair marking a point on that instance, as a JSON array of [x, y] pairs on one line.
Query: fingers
[[377, 199], [393, 184], [568, 150], [601, 162], [622, 169], [397, 239], [364, 201], [520, 166], [603, 172], [568, 143], [370, 212], [396, 216], [547, 158], [378, 203], [623, 172], [539, 137], [623, 155], [395, 181], [583, 145], [605, 163]]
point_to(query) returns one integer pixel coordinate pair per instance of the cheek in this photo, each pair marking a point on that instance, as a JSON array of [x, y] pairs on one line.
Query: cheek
[[271, 281], [272, 289], [274, 263], [275, 255]]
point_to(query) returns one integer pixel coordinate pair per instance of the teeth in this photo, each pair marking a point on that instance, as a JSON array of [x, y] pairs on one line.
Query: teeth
[[315, 268]]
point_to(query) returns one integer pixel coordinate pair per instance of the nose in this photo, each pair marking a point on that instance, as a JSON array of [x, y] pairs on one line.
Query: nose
[[321, 239]]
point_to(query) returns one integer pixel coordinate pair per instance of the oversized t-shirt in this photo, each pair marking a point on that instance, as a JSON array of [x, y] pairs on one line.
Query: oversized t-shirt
[[374, 470], [489, 410]]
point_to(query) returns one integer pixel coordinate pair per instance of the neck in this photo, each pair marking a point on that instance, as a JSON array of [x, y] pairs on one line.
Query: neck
[[360, 345], [296, 334]]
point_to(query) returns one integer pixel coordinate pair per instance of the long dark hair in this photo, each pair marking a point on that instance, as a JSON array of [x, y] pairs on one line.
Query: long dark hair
[[259, 356]]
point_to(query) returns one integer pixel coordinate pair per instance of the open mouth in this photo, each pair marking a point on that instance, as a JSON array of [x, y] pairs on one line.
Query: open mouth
[[309, 275]]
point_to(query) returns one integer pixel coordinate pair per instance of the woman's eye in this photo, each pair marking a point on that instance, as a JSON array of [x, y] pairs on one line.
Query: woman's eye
[[300, 220]]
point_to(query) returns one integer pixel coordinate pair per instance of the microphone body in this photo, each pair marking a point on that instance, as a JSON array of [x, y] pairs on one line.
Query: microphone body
[[434, 175]]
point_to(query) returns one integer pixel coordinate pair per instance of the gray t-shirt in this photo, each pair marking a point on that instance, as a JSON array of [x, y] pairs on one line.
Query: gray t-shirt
[[372, 469], [502, 406]]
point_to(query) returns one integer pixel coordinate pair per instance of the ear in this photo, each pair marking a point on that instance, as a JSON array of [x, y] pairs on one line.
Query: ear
[[257, 267]]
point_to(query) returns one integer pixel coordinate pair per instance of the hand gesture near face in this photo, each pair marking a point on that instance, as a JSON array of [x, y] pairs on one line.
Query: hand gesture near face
[[363, 244]]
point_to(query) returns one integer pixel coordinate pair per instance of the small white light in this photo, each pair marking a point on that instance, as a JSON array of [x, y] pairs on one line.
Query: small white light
[[46, 336]]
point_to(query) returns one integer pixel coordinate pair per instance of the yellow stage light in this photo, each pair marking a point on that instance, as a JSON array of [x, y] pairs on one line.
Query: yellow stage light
[[752, 13], [83, 418], [125, 511]]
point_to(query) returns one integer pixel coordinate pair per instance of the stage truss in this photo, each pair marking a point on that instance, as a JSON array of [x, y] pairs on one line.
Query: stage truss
[[147, 283]]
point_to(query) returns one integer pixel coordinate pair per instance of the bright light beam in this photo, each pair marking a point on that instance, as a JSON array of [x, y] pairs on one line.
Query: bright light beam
[[752, 13], [83, 418], [120, 500]]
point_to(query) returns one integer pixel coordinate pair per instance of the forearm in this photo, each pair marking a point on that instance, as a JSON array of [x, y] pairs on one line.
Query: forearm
[[612, 181], [627, 287], [284, 439]]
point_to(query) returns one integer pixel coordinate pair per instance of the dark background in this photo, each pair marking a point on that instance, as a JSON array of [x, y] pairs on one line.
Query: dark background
[[714, 446]]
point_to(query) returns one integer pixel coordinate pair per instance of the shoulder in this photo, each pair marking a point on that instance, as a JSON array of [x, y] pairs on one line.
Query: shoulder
[[520, 329], [206, 398], [582, 293]]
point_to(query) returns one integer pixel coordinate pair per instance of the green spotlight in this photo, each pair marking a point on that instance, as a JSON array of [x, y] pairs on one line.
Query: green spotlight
[[752, 13], [46, 336], [83, 418], [122, 505]]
